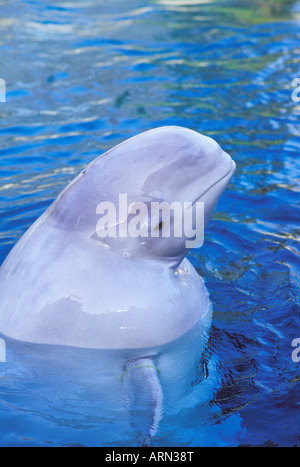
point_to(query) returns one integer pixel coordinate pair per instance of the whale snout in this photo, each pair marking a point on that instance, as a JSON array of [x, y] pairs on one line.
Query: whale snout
[[214, 171], [229, 162], [229, 166], [219, 181]]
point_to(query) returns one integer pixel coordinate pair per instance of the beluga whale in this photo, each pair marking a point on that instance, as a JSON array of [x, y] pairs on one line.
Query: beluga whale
[[105, 268]]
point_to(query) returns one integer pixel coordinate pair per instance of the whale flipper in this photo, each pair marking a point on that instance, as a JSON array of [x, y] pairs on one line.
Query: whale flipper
[[144, 396]]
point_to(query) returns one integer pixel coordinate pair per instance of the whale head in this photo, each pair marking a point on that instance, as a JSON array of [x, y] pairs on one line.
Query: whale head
[[117, 201]]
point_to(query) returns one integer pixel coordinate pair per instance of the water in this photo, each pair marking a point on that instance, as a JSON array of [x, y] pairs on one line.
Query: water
[[82, 76]]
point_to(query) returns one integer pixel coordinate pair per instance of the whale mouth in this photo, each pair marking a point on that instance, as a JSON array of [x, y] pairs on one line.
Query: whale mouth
[[225, 178]]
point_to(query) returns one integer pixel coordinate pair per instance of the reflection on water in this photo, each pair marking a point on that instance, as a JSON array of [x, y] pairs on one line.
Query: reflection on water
[[83, 76]]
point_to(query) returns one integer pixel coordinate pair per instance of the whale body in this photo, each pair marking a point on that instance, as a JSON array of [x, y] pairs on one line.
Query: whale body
[[64, 285]]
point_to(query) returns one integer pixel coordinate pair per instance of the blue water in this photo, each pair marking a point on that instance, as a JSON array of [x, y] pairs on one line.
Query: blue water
[[81, 77]]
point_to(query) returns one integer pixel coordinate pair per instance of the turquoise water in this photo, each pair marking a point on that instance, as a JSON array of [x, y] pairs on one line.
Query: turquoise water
[[82, 76]]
